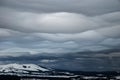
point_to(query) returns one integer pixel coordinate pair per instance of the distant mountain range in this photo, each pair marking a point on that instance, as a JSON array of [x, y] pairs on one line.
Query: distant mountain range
[[34, 71]]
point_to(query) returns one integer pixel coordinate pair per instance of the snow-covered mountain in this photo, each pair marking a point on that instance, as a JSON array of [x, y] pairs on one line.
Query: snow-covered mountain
[[21, 68]]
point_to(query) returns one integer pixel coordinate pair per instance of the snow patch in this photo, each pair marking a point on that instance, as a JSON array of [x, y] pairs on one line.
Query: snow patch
[[21, 68]]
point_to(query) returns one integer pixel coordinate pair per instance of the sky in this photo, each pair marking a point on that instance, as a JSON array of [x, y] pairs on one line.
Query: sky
[[61, 34]]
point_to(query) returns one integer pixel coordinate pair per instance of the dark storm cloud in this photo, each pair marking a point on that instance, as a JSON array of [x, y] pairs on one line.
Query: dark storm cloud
[[97, 60]]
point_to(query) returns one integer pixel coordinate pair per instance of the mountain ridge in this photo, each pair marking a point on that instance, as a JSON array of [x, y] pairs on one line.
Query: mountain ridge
[[24, 68]]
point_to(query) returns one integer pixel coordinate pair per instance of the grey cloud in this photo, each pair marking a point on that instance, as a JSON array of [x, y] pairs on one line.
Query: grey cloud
[[111, 42], [48, 23], [113, 17], [92, 7], [14, 54], [110, 32], [90, 35], [58, 22], [37, 43], [8, 33]]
